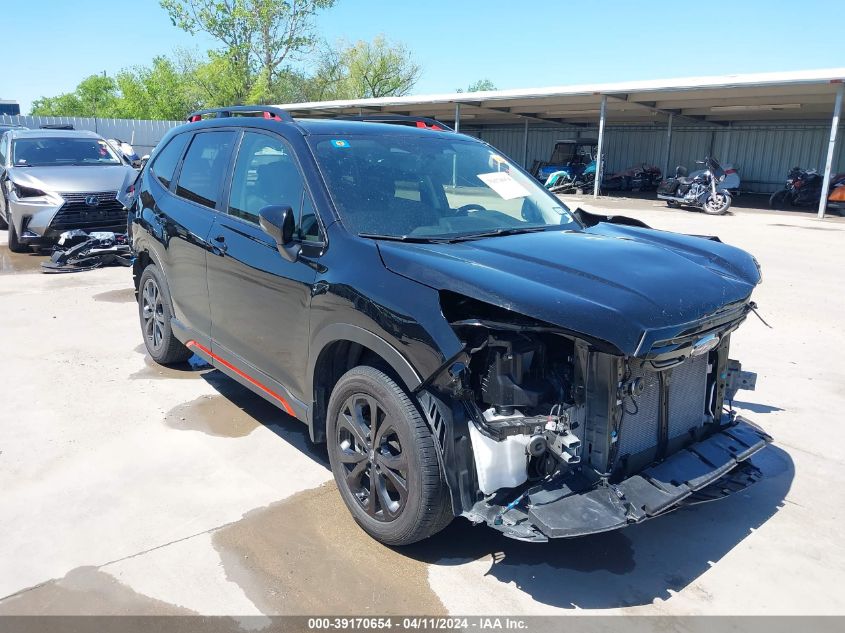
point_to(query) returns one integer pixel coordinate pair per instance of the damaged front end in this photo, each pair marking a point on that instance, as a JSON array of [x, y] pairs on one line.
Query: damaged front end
[[567, 436]]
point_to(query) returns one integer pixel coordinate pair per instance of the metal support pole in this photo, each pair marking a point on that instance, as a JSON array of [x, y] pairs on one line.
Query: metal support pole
[[525, 146], [668, 146], [831, 149], [455, 156], [600, 148]]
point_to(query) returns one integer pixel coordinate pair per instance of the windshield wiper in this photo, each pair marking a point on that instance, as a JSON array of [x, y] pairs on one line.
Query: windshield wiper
[[497, 232], [418, 239], [448, 239]]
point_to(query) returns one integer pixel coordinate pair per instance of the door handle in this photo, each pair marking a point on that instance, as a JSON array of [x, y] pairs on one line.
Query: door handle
[[219, 247]]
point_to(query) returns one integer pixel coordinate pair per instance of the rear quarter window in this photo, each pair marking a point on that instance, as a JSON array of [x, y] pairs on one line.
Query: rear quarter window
[[164, 165], [201, 176]]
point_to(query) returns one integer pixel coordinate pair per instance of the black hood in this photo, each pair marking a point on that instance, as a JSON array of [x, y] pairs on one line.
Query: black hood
[[624, 285]]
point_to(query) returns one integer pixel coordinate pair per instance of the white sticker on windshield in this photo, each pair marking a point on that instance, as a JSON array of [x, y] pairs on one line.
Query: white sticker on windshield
[[503, 183]]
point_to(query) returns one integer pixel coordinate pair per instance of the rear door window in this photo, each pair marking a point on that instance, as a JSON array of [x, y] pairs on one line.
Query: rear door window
[[204, 167], [164, 165]]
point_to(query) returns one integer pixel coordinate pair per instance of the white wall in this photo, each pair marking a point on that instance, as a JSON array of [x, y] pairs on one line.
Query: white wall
[[147, 134]]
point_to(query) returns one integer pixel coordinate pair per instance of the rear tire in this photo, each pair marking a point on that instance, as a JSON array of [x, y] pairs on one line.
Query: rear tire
[[155, 311], [14, 245], [384, 459]]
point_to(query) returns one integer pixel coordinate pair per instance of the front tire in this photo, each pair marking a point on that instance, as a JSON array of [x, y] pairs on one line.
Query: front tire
[[384, 460], [779, 199], [155, 311], [717, 204], [14, 245]]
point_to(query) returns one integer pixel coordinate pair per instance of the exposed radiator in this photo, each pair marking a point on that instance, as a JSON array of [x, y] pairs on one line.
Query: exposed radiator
[[687, 397]]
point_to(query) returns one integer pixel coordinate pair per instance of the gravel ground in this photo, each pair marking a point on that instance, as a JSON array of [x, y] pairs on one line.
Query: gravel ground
[[130, 488]]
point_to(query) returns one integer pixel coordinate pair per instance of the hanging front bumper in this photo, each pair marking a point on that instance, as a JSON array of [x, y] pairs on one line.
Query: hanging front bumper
[[580, 503]]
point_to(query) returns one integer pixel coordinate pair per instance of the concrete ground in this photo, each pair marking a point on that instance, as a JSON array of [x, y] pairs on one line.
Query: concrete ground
[[130, 488]]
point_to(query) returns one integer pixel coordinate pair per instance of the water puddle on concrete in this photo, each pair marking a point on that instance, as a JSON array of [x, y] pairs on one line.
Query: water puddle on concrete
[[214, 415], [17, 263], [307, 556], [85, 591], [121, 295]]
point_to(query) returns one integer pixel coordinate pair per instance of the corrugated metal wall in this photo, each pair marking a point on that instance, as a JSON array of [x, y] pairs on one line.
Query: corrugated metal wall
[[763, 153], [147, 134]]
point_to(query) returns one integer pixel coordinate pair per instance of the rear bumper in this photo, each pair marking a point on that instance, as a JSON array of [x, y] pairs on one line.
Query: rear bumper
[[580, 504]]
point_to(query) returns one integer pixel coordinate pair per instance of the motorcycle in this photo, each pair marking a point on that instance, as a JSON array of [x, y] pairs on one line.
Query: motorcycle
[[565, 181], [803, 189], [706, 189], [638, 178]]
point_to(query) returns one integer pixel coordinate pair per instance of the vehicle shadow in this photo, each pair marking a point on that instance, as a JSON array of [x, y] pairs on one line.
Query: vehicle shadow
[[268, 415], [623, 568], [755, 407]]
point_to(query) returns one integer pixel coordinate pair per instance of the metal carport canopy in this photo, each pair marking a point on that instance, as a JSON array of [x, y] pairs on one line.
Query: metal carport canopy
[[720, 100]]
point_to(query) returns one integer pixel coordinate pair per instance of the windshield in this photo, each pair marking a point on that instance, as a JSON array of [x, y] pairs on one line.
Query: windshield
[[51, 151], [402, 185], [715, 168]]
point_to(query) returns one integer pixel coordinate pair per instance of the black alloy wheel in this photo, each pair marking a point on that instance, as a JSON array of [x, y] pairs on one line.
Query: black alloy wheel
[[370, 449], [152, 314], [155, 311], [384, 459]]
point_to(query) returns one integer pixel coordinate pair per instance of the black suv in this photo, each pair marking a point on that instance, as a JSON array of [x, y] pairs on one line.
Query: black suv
[[464, 343]]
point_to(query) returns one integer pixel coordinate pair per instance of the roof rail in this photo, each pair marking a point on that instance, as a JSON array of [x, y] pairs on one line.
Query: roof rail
[[268, 112], [400, 119]]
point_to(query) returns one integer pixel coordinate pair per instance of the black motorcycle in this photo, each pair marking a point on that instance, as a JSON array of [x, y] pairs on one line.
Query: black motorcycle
[[803, 189], [706, 189]]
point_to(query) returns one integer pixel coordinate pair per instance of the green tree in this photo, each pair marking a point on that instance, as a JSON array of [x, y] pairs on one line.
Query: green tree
[[61, 105], [95, 95], [259, 37], [380, 69], [481, 85], [364, 69], [220, 81], [161, 91]]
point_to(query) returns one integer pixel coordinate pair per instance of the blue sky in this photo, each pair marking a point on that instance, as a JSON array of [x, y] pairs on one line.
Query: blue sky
[[51, 44]]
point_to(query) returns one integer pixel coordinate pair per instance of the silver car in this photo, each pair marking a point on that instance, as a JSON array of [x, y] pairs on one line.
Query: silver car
[[57, 180]]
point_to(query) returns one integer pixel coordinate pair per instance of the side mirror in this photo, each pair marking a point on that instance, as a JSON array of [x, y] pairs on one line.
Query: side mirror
[[277, 222]]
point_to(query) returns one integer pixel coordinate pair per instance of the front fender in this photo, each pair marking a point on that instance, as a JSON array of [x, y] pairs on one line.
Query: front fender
[[355, 334]]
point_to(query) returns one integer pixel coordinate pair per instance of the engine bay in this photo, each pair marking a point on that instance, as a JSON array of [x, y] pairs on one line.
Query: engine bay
[[556, 417]]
